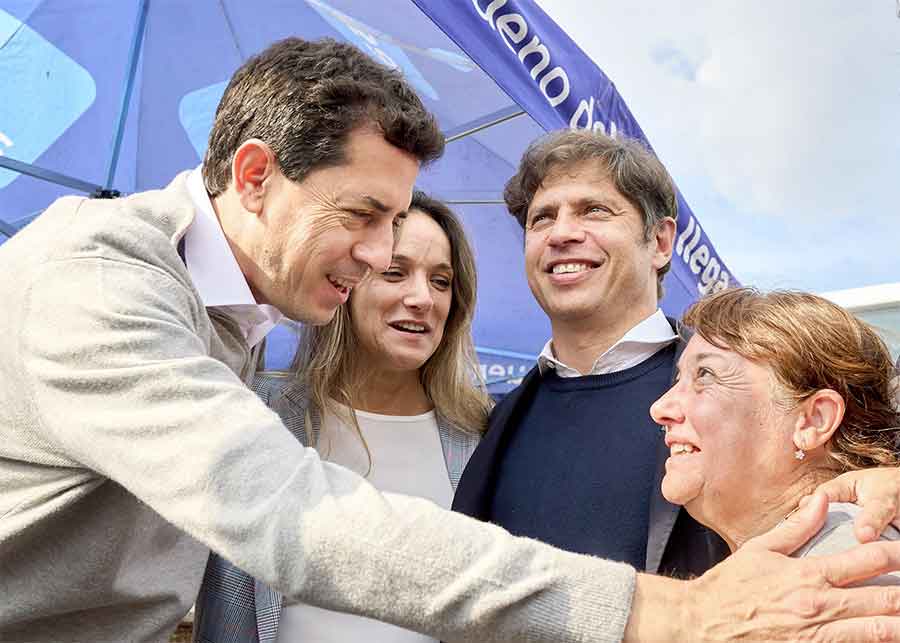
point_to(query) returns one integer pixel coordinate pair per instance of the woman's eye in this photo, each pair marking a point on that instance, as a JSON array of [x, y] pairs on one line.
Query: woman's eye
[[392, 273], [441, 282], [704, 372]]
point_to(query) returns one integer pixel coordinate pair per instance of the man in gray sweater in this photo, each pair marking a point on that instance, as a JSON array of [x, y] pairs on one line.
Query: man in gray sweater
[[130, 445]]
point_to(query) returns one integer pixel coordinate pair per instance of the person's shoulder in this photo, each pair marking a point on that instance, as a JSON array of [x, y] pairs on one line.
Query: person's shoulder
[[266, 381], [467, 436], [841, 515], [171, 209], [837, 535], [289, 397], [272, 385], [139, 229], [507, 402]]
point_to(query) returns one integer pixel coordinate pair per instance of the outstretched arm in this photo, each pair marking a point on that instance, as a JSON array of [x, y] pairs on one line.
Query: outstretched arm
[[761, 594]]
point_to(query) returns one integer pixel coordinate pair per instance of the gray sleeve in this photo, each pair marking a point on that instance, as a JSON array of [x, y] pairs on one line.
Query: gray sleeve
[[837, 536], [183, 434]]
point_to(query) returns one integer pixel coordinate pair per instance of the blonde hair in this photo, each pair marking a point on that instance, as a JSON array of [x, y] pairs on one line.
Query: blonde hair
[[327, 359], [812, 344]]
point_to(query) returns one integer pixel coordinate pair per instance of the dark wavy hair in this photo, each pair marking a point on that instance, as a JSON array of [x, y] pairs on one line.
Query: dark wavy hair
[[303, 98], [637, 174]]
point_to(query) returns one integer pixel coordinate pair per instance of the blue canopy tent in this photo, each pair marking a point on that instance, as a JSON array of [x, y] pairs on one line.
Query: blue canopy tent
[[119, 95]]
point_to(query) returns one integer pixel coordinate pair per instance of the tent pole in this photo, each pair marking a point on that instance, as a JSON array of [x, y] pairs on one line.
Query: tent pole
[[486, 121], [6, 229], [504, 353], [126, 96], [48, 175], [231, 30], [475, 202]]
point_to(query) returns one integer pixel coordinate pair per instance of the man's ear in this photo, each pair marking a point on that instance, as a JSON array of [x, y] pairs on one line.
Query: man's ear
[[664, 238], [253, 163], [821, 415]]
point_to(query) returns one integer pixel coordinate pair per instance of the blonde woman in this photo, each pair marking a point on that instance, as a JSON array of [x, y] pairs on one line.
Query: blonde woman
[[387, 389]]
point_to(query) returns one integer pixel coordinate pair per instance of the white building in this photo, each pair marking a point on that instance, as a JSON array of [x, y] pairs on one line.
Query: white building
[[877, 305]]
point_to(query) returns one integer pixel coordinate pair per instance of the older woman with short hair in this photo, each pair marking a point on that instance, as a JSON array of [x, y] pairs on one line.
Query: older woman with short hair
[[775, 394]]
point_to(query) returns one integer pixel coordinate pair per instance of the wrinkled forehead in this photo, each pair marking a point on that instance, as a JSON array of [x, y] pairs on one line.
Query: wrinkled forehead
[[699, 349], [595, 167], [375, 169], [730, 364], [575, 180]]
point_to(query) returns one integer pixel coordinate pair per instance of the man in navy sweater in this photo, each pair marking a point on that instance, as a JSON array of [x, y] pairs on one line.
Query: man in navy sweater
[[572, 456]]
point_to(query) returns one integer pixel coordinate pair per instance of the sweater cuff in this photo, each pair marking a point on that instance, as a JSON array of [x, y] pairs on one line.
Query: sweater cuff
[[594, 604]]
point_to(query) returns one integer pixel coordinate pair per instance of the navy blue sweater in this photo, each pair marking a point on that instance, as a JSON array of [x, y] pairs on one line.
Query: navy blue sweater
[[578, 471]]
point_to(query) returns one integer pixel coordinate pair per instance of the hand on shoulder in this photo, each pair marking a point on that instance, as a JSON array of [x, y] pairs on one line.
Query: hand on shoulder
[[759, 593]]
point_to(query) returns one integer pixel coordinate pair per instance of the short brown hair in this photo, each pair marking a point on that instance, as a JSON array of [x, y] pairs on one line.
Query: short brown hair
[[812, 344], [303, 98], [632, 167]]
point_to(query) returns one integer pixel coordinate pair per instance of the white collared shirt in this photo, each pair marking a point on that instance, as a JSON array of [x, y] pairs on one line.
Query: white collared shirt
[[215, 271], [641, 342]]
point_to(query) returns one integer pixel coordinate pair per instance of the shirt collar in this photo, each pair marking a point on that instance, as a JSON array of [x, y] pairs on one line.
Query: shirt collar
[[640, 342], [215, 271], [210, 262]]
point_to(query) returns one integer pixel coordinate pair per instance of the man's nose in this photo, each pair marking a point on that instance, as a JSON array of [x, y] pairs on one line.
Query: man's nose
[[376, 247], [566, 229]]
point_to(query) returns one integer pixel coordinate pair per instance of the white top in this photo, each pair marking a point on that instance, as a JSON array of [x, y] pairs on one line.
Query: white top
[[641, 342], [215, 271], [407, 458]]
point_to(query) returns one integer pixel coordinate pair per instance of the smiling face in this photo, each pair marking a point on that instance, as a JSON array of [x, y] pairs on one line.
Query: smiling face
[[313, 241], [730, 441], [585, 254], [399, 314]]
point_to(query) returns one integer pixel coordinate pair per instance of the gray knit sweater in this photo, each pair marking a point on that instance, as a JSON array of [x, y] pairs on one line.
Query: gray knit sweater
[[130, 446]]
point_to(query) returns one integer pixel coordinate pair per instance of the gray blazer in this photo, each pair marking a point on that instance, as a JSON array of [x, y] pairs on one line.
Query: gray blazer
[[123, 421], [232, 606]]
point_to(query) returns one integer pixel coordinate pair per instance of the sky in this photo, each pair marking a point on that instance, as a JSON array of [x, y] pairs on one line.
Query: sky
[[779, 122]]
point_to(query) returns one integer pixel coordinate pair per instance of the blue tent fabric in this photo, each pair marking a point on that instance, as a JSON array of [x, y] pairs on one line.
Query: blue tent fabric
[[78, 103], [545, 72]]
